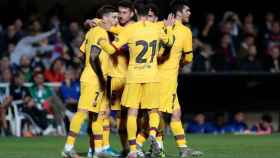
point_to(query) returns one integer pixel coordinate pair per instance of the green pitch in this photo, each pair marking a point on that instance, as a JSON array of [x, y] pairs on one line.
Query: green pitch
[[220, 146]]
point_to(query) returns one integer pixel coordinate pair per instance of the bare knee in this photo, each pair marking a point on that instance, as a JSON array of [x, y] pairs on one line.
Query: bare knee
[[176, 115], [132, 112]]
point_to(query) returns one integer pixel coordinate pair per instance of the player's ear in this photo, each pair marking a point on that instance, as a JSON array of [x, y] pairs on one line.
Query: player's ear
[[132, 14]]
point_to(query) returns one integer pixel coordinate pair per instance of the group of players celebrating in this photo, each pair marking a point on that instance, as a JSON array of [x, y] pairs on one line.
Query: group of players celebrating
[[131, 68]]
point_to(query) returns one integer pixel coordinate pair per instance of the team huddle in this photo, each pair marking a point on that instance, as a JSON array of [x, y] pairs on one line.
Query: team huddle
[[131, 68]]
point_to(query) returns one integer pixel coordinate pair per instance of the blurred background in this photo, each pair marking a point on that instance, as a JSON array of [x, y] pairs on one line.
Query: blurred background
[[231, 87]]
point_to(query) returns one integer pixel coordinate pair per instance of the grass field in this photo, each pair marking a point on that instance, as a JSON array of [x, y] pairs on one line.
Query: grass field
[[222, 146]]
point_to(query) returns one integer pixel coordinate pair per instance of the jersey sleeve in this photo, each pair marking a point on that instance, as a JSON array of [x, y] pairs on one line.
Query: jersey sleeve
[[117, 29], [105, 44], [187, 47], [188, 42], [166, 36], [122, 39], [83, 46]]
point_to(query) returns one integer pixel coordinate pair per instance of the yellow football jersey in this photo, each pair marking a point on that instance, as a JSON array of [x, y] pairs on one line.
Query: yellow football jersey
[[118, 65], [90, 44], [143, 40], [117, 29], [119, 62], [182, 45]]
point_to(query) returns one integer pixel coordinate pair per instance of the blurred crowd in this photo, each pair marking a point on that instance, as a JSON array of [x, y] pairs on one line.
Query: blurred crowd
[[237, 43], [41, 50], [235, 124]]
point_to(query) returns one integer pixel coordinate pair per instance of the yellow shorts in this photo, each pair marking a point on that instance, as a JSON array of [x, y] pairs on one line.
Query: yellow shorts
[[141, 95], [168, 93], [104, 103], [90, 97], [117, 87]]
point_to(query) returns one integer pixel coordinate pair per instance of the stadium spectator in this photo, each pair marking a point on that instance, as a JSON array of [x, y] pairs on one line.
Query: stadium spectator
[[45, 99], [247, 41], [4, 65], [209, 32], [29, 46], [199, 125], [37, 64], [39, 92], [237, 125], [219, 124], [224, 58], [56, 71], [25, 68], [273, 61], [10, 36], [18, 26], [70, 91], [202, 60], [268, 21], [232, 26], [232, 23], [273, 37], [264, 127], [6, 76], [73, 37], [36, 27], [250, 63], [248, 26], [19, 92], [11, 47]]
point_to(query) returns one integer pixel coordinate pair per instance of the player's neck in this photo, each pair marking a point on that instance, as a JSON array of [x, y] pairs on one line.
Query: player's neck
[[179, 19], [106, 26], [129, 22]]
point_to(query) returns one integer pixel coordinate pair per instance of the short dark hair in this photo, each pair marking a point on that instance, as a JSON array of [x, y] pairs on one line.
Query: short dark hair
[[178, 5], [104, 10], [154, 8], [126, 4], [143, 10]]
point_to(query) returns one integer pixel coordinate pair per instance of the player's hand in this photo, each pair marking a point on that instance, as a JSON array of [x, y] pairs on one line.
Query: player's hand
[[89, 23], [170, 20]]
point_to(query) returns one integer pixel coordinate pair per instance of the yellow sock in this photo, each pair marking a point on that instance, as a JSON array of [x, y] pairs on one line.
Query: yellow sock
[[131, 132], [160, 132], [97, 130], [141, 138], [106, 133], [159, 139], [75, 127], [154, 123], [179, 133]]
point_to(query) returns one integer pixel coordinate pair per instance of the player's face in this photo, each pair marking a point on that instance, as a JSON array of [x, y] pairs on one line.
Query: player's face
[[186, 13], [152, 17], [113, 18], [125, 15]]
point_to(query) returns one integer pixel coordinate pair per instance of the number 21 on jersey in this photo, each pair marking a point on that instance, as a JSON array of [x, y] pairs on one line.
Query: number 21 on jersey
[[141, 56]]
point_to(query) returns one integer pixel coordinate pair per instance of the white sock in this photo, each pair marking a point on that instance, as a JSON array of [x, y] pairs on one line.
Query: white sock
[[106, 147], [68, 147], [90, 150], [140, 145], [98, 150], [160, 144]]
